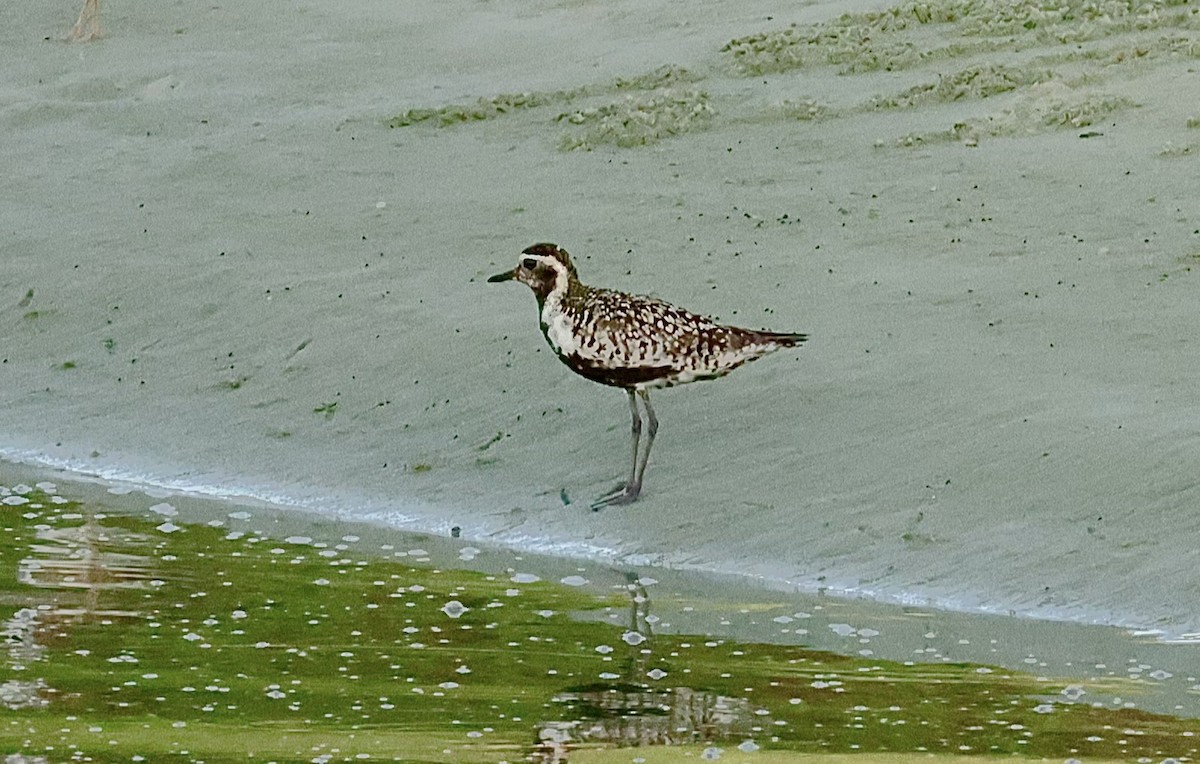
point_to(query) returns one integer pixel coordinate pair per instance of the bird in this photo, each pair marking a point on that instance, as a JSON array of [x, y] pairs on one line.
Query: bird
[[633, 342]]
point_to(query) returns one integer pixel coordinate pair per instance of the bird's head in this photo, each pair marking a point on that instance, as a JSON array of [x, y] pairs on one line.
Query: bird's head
[[544, 268]]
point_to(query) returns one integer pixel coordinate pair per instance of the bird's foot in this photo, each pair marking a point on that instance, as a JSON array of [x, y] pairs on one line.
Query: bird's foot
[[621, 494]]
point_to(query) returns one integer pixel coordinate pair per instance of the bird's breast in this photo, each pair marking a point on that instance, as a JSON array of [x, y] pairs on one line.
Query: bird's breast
[[559, 329]]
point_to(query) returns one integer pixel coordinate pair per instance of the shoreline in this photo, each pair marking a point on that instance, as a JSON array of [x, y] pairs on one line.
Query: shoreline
[[328, 510], [1119, 668], [217, 631]]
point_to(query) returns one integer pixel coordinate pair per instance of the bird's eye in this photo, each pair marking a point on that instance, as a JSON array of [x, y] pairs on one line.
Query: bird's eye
[[529, 263]]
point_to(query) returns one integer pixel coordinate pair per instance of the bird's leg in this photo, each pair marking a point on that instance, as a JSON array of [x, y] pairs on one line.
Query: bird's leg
[[87, 27], [640, 470], [641, 457], [636, 433], [620, 493]]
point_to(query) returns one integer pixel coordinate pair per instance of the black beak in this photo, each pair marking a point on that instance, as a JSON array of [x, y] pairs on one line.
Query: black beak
[[506, 276]]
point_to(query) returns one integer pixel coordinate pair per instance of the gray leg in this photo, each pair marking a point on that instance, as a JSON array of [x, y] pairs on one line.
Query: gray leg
[[628, 493], [640, 471], [637, 436]]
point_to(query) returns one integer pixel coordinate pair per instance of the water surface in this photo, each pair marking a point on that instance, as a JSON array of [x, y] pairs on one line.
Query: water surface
[[150, 628]]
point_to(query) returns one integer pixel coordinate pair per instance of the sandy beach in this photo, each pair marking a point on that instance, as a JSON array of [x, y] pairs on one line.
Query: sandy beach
[[245, 252]]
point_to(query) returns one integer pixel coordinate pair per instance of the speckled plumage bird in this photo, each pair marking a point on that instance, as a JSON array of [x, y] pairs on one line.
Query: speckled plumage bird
[[632, 342]]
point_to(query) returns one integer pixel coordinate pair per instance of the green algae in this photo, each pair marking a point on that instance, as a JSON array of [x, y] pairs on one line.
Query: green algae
[[913, 33], [149, 638], [491, 107], [483, 108], [1072, 41], [326, 409], [977, 81], [638, 121], [614, 112]]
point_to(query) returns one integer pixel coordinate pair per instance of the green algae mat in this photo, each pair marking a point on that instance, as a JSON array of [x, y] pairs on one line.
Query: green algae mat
[[143, 637]]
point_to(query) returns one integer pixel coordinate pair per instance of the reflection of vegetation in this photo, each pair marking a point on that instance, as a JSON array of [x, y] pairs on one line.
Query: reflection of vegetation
[[152, 637]]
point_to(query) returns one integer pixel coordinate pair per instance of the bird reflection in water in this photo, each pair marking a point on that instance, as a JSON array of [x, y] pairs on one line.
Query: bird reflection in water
[[625, 714]]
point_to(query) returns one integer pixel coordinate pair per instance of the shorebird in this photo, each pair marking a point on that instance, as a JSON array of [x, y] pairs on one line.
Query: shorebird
[[633, 342]]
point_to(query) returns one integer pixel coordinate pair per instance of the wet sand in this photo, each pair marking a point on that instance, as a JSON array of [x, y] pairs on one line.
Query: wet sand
[[225, 272]]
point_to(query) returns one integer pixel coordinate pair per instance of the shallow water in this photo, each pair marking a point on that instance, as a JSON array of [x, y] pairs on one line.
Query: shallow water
[[143, 627]]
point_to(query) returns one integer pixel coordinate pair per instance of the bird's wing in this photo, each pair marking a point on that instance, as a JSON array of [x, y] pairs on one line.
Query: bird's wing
[[633, 331]]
